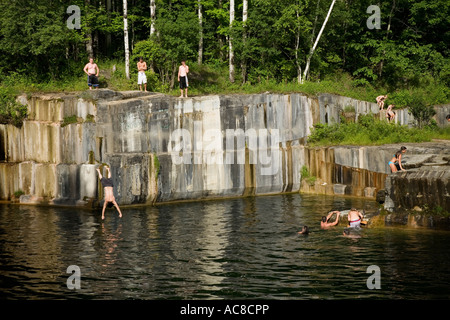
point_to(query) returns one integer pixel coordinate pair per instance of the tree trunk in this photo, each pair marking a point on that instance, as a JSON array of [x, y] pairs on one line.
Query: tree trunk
[[311, 52], [125, 38], [297, 45], [200, 41], [387, 35], [108, 35], [244, 39], [152, 16], [89, 45], [230, 42]]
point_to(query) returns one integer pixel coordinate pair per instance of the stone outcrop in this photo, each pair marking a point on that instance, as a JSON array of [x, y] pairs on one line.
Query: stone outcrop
[[161, 148]]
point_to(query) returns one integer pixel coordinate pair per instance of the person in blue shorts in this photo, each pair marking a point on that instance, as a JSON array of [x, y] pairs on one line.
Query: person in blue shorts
[[397, 160]]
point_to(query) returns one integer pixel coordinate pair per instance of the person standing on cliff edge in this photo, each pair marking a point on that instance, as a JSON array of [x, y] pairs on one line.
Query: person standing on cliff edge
[[142, 78], [92, 70], [183, 70], [108, 192]]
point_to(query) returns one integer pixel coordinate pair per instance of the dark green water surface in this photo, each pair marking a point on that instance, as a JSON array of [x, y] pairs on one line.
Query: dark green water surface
[[230, 249]]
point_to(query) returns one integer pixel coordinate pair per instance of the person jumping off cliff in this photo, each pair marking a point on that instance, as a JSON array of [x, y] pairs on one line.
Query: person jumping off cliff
[[108, 192]]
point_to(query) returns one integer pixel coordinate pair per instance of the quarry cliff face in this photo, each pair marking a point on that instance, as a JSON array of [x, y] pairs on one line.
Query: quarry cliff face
[[161, 148]]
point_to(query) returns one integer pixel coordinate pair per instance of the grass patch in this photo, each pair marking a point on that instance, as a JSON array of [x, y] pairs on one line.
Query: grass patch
[[371, 131], [69, 120], [306, 175]]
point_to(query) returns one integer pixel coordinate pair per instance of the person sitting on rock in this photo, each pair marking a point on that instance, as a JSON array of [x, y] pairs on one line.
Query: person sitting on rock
[[324, 224], [108, 192]]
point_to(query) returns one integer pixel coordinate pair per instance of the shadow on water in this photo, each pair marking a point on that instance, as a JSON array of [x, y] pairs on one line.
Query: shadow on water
[[230, 249]]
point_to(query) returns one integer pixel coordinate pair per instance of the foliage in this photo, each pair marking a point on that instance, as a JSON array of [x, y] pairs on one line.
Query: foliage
[[11, 111], [306, 175], [371, 131], [39, 53]]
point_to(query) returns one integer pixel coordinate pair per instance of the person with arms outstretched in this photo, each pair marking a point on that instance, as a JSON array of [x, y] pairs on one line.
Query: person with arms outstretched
[[108, 192], [324, 224]]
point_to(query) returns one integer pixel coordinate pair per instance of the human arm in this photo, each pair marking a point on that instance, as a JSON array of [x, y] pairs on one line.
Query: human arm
[[99, 174], [337, 218], [400, 162], [85, 69], [98, 70]]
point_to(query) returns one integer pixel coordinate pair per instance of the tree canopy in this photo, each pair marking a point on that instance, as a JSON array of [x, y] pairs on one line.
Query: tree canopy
[[410, 49]]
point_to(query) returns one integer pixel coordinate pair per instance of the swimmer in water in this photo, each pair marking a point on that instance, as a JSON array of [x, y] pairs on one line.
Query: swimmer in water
[[324, 224], [305, 230], [354, 218], [108, 192], [348, 232]]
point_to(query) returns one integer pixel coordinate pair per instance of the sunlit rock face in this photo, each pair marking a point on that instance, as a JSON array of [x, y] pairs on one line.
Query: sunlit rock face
[[161, 148]]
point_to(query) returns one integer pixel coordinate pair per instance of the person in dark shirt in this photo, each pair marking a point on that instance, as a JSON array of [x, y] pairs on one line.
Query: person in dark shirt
[[108, 192]]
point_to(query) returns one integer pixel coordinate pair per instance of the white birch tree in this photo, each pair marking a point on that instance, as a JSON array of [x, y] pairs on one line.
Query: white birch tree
[[244, 38], [152, 16], [230, 43], [200, 40], [313, 48], [125, 39]]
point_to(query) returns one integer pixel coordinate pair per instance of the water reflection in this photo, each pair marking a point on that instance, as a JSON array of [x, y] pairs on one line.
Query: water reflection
[[240, 248]]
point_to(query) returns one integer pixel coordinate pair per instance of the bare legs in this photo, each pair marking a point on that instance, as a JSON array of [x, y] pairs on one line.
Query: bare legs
[[185, 93], [109, 195]]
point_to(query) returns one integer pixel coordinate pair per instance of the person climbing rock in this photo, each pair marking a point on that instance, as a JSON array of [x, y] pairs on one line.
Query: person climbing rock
[[390, 114], [108, 185], [397, 160], [380, 101]]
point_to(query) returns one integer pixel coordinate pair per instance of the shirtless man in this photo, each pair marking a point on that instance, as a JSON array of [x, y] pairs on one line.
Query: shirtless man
[[389, 113], [142, 78], [354, 218], [91, 69], [380, 101], [108, 192], [324, 224]]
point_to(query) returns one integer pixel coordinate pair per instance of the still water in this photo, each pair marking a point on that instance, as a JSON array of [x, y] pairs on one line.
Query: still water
[[229, 249]]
